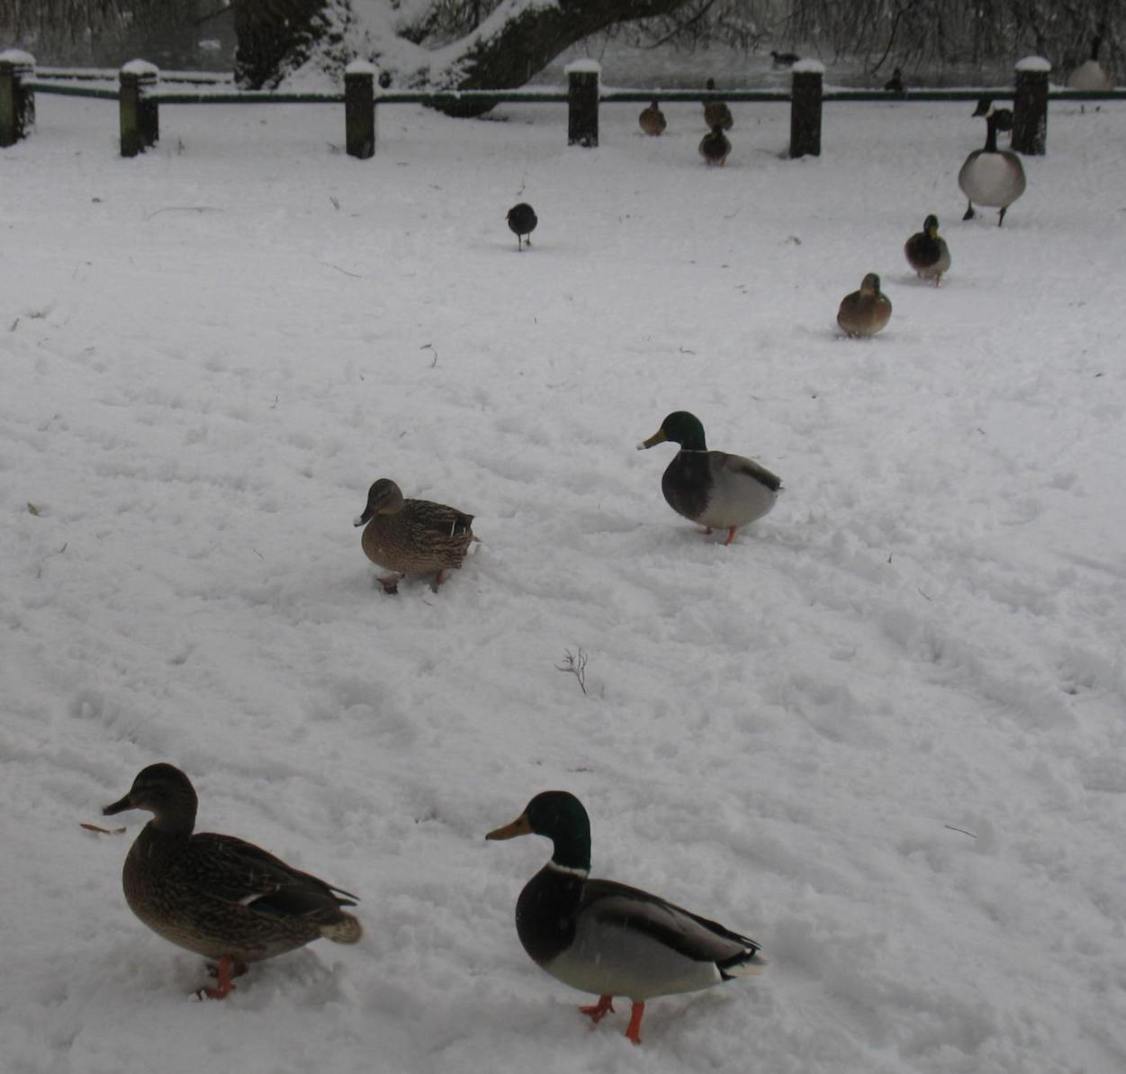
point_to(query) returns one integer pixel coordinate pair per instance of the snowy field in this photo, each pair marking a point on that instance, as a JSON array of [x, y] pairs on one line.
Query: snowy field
[[209, 353]]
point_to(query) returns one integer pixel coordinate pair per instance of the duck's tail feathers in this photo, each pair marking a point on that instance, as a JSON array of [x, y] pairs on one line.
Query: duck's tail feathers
[[745, 964], [347, 930]]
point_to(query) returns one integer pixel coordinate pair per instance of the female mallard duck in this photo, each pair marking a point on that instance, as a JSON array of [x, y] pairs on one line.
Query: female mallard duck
[[992, 176], [1091, 75], [608, 939], [714, 147], [712, 488], [864, 312], [716, 113], [217, 895], [652, 120], [927, 252], [412, 536]]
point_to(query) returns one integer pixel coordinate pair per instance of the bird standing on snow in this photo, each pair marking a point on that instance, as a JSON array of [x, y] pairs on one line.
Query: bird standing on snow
[[1091, 75], [895, 83], [927, 252], [992, 176], [522, 222], [608, 939], [412, 536], [864, 312], [715, 147], [713, 489], [716, 113], [218, 895], [652, 120]]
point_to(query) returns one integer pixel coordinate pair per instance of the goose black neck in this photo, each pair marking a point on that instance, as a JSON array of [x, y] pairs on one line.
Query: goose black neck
[[991, 134], [1096, 44]]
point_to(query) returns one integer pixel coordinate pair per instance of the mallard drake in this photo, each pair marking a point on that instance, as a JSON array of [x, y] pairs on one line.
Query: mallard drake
[[716, 113], [217, 895], [927, 252], [712, 488], [1091, 75], [992, 176], [714, 147], [602, 937], [522, 222], [652, 120], [412, 536], [864, 312]]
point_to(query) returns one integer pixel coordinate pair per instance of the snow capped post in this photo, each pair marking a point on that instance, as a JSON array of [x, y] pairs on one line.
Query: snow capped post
[[140, 119], [805, 108], [359, 109], [1030, 106], [582, 102], [17, 101]]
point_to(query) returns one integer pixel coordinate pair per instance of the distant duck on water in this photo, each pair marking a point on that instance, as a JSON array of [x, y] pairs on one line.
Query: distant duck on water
[[605, 938], [716, 113], [864, 312], [652, 120], [712, 488], [218, 895], [990, 176], [927, 252]]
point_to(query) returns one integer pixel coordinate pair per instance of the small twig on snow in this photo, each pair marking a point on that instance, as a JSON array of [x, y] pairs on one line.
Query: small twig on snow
[[574, 663], [951, 827]]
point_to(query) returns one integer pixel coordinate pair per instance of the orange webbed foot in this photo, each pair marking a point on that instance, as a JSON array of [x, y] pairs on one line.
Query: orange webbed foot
[[597, 1011], [633, 1030]]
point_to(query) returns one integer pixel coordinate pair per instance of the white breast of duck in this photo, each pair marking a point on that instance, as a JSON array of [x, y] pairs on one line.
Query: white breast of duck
[[719, 490]]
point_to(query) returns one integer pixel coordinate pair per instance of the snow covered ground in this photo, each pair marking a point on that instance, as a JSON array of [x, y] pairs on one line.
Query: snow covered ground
[[882, 732]]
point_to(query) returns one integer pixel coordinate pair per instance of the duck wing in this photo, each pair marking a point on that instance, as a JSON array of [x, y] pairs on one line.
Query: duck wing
[[737, 464], [233, 870], [608, 903], [437, 518]]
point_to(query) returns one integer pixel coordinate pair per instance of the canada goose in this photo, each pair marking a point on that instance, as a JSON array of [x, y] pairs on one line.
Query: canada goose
[[1091, 75], [991, 176]]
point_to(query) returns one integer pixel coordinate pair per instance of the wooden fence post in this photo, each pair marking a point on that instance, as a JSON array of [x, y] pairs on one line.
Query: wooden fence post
[[359, 109], [17, 100], [582, 102], [805, 108], [140, 116], [1030, 106]]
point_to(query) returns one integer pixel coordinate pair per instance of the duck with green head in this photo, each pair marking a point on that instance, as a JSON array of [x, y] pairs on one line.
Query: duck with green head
[[218, 895], [608, 939], [927, 252], [712, 488]]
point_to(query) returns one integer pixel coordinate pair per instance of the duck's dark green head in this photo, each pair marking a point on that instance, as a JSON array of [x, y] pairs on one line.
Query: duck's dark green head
[[164, 791], [930, 226], [559, 816], [681, 428], [384, 498]]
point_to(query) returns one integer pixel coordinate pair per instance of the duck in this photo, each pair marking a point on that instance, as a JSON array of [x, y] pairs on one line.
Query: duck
[[895, 84], [712, 488], [927, 252], [784, 59], [652, 120], [864, 312], [1090, 75], [715, 147], [218, 895], [992, 176], [605, 938], [716, 113], [412, 536], [522, 221]]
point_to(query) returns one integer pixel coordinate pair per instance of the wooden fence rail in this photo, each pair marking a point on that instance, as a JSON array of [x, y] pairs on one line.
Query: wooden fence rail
[[141, 89]]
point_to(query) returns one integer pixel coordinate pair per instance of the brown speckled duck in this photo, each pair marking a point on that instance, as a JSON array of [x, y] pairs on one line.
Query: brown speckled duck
[[712, 488], [217, 895], [412, 536], [608, 939], [717, 113], [927, 252], [652, 120], [864, 312]]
